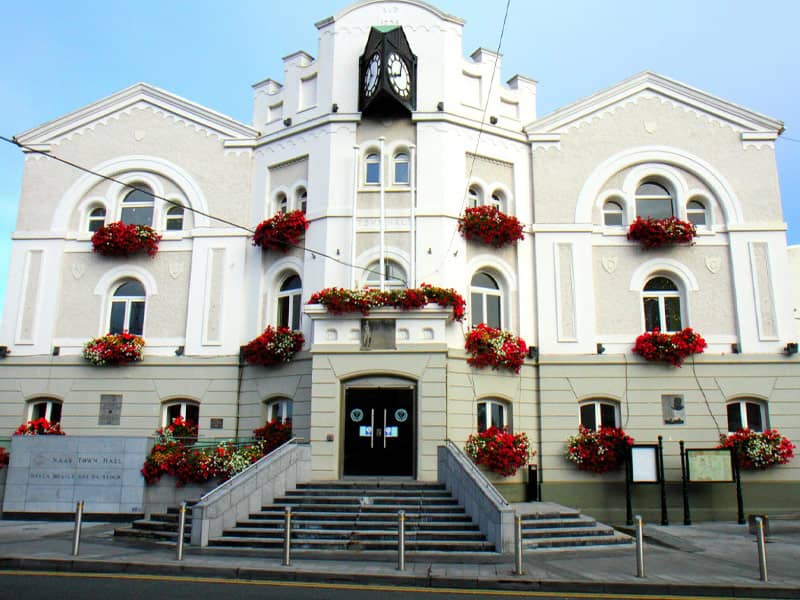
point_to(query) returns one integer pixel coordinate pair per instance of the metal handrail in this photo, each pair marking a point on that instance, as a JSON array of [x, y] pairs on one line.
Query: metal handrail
[[470, 466], [230, 482]]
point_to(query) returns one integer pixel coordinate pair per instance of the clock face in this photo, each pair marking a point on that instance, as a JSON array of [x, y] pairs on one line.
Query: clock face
[[398, 75], [371, 74]]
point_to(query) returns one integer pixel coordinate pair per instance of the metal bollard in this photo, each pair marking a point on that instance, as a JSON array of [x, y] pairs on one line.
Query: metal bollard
[[401, 540], [76, 537], [639, 546], [762, 550], [181, 530], [287, 537], [518, 570]]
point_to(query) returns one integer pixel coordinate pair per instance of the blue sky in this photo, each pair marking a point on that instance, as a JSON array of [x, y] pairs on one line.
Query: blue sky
[[60, 56]]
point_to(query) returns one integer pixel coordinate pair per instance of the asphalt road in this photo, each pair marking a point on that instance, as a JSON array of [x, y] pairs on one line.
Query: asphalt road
[[35, 585]]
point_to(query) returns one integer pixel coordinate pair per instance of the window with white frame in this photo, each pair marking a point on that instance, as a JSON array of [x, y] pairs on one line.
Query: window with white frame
[[278, 409], [613, 214], [747, 413], [661, 301], [372, 169], [289, 295], [127, 308], [474, 196], [44, 408], [189, 410], [493, 413], [281, 203], [597, 413], [97, 218], [696, 213], [486, 300], [174, 220], [654, 200], [394, 276], [137, 206], [498, 200], [301, 199], [401, 169]]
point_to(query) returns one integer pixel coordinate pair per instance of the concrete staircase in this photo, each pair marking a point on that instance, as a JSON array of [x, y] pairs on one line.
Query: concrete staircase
[[551, 526], [361, 516], [160, 527]]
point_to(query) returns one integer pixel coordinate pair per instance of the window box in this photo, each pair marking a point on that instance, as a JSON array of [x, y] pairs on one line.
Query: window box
[[273, 347], [499, 451], [672, 348], [758, 450], [119, 239], [39, 427], [281, 232], [654, 233], [115, 349], [340, 300], [490, 347], [598, 451], [490, 226]]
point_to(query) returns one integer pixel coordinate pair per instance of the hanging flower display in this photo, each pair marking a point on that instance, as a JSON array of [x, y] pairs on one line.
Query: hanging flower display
[[282, 231], [340, 300], [4, 457], [273, 347], [653, 233], [114, 349], [672, 348], [119, 239], [176, 456], [598, 451], [499, 451], [490, 347], [758, 449], [39, 427], [490, 226]]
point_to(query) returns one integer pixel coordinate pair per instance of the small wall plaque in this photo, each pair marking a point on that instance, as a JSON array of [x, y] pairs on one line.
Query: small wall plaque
[[110, 409], [216, 423], [378, 334]]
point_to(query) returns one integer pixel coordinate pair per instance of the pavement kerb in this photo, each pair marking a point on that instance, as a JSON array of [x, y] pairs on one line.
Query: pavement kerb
[[296, 574]]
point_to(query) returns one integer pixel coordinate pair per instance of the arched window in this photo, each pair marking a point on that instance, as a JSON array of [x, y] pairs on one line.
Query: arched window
[[175, 218], [279, 409], [696, 213], [394, 276], [281, 203], [653, 200], [401, 172], [599, 413], [498, 200], [137, 206], [475, 196], [289, 302], [44, 408], [662, 305], [747, 413], [127, 308], [493, 413], [97, 218], [188, 409], [301, 199], [612, 214], [486, 300], [372, 169]]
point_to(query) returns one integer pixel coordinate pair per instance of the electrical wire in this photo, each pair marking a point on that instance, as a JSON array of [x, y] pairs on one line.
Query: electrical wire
[[705, 398]]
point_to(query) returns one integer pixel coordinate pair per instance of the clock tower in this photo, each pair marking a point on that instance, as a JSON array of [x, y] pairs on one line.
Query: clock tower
[[387, 74]]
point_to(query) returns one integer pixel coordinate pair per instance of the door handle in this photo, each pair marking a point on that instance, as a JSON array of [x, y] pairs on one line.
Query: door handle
[[384, 428], [372, 428]]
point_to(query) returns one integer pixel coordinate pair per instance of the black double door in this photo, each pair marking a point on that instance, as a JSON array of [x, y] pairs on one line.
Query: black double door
[[379, 432]]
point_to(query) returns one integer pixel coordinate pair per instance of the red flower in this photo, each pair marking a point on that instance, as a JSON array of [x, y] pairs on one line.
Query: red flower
[[598, 451], [282, 231], [499, 450], [273, 347], [491, 226], [39, 426], [340, 300], [672, 348], [114, 349], [490, 347], [758, 450], [119, 239], [652, 233]]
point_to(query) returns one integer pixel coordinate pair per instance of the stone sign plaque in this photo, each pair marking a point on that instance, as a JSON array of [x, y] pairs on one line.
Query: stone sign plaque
[[378, 334], [110, 409], [49, 474]]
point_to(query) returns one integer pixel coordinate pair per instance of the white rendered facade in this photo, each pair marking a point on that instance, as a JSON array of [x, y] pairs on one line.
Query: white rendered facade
[[574, 282]]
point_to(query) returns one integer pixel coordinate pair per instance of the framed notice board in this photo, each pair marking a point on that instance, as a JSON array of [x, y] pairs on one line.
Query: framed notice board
[[710, 465]]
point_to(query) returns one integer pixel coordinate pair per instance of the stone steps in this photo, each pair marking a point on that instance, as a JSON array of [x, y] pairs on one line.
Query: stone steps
[[567, 529]]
